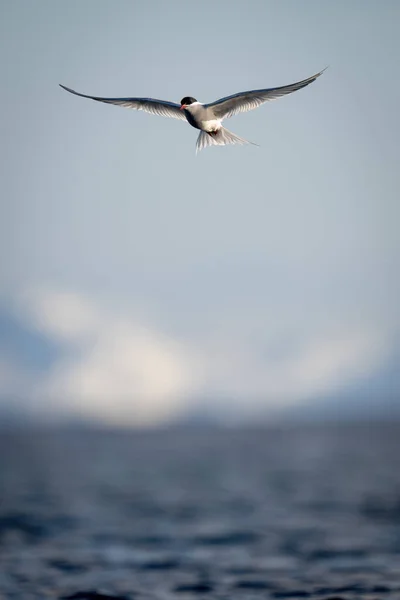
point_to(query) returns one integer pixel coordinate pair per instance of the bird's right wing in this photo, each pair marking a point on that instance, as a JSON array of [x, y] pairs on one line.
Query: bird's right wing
[[149, 105], [244, 101]]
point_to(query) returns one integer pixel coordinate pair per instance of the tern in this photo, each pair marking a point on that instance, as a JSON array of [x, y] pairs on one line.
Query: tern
[[207, 117]]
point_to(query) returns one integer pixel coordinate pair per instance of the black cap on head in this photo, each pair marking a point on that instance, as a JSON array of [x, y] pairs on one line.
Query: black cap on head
[[188, 100]]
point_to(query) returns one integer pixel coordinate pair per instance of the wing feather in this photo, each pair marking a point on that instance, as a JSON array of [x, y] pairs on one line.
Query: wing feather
[[244, 101], [162, 108]]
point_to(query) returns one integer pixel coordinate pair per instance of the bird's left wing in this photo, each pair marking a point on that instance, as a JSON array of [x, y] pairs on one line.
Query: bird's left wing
[[245, 101], [149, 105]]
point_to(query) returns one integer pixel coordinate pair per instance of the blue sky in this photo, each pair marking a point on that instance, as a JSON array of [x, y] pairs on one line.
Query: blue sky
[[140, 283]]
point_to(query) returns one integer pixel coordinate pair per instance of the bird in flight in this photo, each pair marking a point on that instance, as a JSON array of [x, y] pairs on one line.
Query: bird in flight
[[207, 117]]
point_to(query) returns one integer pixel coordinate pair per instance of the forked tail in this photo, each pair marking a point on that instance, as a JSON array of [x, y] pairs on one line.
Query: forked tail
[[222, 137]]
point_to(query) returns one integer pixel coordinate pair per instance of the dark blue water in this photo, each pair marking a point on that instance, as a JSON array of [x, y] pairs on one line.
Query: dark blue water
[[306, 512]]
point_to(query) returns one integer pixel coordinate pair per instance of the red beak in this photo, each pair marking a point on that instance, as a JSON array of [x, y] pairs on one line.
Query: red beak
[[183, 106]]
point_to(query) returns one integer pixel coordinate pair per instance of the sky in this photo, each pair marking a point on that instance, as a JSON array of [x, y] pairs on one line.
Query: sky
[[141, 284]]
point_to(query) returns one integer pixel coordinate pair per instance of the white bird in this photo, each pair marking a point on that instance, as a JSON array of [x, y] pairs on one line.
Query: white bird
[[207, 117]]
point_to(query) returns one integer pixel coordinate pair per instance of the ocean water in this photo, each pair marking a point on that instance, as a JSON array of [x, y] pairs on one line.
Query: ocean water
[[294, 512]]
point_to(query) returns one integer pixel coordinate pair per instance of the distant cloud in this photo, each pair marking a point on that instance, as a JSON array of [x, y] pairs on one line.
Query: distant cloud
[[113, 367], [314, 366], [116, 369]]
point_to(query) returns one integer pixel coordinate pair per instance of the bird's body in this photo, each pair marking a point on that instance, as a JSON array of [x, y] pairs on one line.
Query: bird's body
[[201, 118], [207, 117]]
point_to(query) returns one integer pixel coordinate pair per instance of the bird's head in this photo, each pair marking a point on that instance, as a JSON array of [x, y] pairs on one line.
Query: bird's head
[[187, 101]]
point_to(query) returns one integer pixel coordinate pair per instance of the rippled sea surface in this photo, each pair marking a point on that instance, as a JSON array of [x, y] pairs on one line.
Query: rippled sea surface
[[296, 512]]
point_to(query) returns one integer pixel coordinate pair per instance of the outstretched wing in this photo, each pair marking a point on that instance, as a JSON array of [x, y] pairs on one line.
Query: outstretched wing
[[245, 101], [150, 105]]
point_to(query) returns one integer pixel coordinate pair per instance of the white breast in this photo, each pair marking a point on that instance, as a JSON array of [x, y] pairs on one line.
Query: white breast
[[212, 125]]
